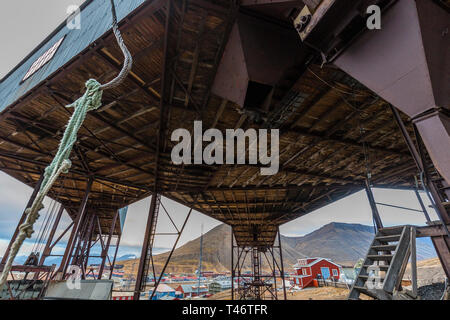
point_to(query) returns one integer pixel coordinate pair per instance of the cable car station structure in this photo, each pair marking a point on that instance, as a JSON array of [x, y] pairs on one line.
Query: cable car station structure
[[356, 109]]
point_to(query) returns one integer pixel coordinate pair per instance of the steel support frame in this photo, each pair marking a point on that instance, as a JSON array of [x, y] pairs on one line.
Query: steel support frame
[[75, 230], [115, 256], [48, 246], [80, 256], [146, 259], [180, 232], [441, 243], [154, 206], [140, 278], [257, 285], [105, 249]]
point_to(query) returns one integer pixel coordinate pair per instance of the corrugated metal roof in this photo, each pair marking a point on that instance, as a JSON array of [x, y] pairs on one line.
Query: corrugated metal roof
[[186, 288], [223, 283], [316, 260], [164, 288], [95, 21]]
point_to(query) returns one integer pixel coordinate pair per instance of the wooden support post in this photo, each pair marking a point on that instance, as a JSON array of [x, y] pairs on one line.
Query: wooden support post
[[399, 261], [76, 226], [22, 219]]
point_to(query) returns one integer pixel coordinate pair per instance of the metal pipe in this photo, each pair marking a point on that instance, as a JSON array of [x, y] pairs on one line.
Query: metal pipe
[[422, 205], [115, 257], [373, 206], [398, 207], [282, 265]]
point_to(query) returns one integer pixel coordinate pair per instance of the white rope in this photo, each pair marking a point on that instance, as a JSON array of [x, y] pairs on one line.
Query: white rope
[[61, 163], [26, 229]]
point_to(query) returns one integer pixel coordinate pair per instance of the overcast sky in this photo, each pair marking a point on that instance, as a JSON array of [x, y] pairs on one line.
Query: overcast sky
[[23, 25]]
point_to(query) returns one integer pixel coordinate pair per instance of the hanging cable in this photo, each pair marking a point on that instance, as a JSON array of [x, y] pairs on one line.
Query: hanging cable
[[128, 59], [44, 226], [53, 216], [334, 87]]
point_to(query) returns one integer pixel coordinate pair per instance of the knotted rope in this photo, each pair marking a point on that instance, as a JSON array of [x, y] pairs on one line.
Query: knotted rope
[[90, 101]]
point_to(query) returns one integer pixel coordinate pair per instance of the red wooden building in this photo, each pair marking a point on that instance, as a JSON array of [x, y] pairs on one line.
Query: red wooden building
[[309, 269]]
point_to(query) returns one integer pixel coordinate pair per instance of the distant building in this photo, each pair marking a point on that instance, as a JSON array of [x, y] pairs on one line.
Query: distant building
[[162, 291], [186, 290], [309, 269], [190, 291], [219, 286], [199, 291]]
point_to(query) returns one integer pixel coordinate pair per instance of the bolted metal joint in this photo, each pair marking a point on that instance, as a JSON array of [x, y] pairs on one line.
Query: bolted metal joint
[[302, 22]]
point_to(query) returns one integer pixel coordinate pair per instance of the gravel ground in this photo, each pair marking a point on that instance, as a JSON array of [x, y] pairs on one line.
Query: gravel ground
[[431, 292]]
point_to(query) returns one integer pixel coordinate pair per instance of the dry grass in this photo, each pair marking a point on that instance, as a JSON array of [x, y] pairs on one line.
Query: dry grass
[[428, 271], [324, 293]]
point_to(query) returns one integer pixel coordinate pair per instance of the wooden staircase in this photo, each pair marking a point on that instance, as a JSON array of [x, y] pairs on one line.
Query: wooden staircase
[[385, 264]]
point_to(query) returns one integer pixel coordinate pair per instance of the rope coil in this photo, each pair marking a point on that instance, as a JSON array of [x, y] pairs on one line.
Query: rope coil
[[90, 101]]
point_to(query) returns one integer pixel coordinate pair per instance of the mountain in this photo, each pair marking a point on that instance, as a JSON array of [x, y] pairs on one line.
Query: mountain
[[341, 242], [216, 253], [346, 243]]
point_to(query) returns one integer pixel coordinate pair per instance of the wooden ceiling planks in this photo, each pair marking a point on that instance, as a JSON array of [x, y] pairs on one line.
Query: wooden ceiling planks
[[321, 144]]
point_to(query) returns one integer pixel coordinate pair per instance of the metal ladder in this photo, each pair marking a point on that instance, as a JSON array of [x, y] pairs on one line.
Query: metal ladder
[[384, 265]]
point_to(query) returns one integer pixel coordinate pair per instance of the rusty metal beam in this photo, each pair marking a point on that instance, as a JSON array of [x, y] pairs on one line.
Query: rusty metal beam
[[77, 223]]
